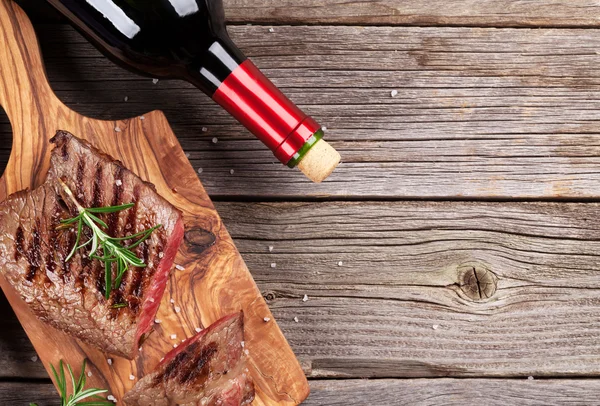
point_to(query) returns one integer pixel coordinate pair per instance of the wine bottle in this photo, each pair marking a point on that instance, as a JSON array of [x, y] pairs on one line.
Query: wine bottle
[[187, 39]]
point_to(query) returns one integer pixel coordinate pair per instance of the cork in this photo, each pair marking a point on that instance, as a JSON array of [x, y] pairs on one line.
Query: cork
[[319, 161]]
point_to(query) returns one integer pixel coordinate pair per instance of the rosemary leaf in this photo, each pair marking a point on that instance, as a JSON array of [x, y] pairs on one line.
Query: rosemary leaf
[[112, 249], [110, 209]]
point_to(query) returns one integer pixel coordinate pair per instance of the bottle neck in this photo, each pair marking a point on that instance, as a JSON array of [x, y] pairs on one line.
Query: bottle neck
[[236, 84]]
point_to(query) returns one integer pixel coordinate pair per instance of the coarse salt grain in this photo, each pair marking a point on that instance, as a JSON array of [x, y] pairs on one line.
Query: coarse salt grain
[[34, 358], [243, 343], [117, 129], [179, 267], [151, 299], [172, 300], [273, 265], [215, 140], [131, 378], [199, 170], [435, 326], [119, 182], [204, 129], [173, 336], [271, 29], [161, 254], [109, 361], [175, 345], [530, 378], [305, 298], [246, 352], [296, 319], [198, 329], [187, 155], [142, 118], [183, 341], [267, 319], [111, 398], [177, 309], [340, 263], [271, 248], [394, 93], [89, 373], [126, 98], [155, 81], [324, 128], [157, 321], [231, 171]]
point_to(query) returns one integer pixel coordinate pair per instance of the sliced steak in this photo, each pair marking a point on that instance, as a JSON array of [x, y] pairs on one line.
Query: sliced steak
[[207, 370], [70, 295]]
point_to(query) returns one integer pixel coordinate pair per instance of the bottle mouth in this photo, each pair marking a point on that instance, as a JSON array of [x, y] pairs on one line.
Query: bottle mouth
[[297, 157]]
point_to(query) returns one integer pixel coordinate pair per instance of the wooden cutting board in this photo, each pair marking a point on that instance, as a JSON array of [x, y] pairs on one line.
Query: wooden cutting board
[[215, 282]]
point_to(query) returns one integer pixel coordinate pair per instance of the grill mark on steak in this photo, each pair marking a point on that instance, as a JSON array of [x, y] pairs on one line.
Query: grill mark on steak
[[137, 276], [79, 178], [64, 152], [33, 252], [113, 218], [189, 365], [19, 240], [97, 190], [131, 221], [52, 251], [199, 371]]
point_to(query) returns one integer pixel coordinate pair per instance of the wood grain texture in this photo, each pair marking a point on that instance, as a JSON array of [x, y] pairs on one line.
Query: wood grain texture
[[215, 281], [480, 113], [454, 392], [404, 301], [408, 392], [489, 13]]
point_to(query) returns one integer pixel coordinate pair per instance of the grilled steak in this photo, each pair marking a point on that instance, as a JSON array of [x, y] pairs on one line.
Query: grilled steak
[[69, 295], [207, 370]]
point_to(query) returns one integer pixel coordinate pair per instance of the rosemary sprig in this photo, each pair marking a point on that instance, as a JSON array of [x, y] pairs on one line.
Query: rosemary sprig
[[113, 251], [79, 393]]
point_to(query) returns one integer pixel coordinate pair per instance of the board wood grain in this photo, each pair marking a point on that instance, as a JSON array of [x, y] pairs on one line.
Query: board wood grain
[[215, 282]]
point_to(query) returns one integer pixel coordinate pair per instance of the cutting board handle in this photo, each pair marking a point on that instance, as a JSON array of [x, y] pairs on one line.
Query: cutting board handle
[[24, 82], [25, 94]]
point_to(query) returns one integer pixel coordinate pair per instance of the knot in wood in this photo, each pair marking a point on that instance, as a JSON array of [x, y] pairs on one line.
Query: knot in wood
[[477, 282], [269, 296], [199, 239]]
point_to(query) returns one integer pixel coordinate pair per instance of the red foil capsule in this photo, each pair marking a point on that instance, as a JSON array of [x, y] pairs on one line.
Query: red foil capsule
[[255, 102]]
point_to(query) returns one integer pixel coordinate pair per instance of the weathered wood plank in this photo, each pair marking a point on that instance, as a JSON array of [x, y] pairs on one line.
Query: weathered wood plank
[[384, 392], [497, 13], [16, 393], [457, 392], [490, 13], [480, 113], [405, 303]]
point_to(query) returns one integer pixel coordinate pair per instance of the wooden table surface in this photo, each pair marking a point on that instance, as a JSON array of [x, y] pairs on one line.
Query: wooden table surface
[[454, 256]]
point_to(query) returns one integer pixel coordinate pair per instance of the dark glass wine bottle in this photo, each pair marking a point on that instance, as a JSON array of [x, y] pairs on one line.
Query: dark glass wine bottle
[[187, 39]]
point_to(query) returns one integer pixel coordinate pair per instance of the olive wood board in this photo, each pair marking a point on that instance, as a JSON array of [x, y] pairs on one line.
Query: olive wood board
[[214, 282]]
